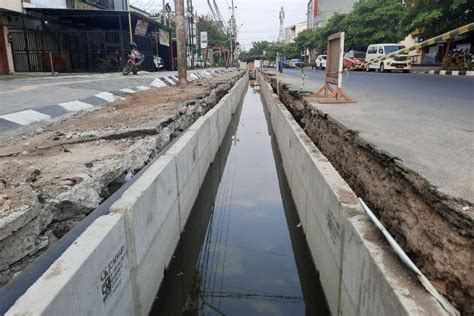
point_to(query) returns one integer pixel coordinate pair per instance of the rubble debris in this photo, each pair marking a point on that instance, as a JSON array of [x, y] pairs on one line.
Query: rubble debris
[[38, 208]]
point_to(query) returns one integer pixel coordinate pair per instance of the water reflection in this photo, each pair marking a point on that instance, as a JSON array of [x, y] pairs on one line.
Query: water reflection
[[241, 252]]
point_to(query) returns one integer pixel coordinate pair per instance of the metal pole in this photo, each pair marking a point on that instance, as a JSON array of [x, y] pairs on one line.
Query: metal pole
[[25, 37], [234, 32], [278, 74], [230, 44], [122, 49], [51, 63], [181, 43], [129, 21], [163, 18]]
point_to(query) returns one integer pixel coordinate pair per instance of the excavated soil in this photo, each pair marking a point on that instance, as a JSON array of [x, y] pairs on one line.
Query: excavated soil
[[52, 178], [435, 230]]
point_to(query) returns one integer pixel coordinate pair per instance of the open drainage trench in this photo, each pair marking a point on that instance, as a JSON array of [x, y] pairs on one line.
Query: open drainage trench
[[434, 229], [243, 251]]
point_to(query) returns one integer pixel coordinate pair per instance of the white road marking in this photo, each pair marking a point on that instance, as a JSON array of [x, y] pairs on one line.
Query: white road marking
[[74, 106], [127, 90], [25, 117], [107, 96], [158, 83], [469, 73], [455, 72], [442, 72], [143, 88]]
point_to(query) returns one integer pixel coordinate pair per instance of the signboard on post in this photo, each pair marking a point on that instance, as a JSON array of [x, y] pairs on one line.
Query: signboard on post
[[203, 40], [164, 37], [331, 91], [141, 28]]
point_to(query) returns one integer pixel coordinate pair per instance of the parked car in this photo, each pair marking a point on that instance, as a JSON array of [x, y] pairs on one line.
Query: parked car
[[296, 63], [401, 62], [353, 58], [320, 62]]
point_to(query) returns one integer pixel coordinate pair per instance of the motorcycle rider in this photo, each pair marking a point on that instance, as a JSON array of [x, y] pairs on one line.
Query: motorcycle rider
[[136, 55], [134, 59]]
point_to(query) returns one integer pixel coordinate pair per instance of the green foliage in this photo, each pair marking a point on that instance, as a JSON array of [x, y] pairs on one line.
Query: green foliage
[[434, 17], [371, 21], [262, 50], [385, 21], [215, 36]]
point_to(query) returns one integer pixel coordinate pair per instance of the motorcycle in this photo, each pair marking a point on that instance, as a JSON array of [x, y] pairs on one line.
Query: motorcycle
[[135, 59], [158, 61]]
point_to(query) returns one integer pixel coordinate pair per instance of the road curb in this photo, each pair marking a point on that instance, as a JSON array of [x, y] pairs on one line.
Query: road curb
[[447, 72], [27, 117]]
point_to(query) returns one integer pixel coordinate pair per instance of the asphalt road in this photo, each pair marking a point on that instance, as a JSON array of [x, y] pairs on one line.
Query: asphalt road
[[29, 101], [425, 120], [30, 93]]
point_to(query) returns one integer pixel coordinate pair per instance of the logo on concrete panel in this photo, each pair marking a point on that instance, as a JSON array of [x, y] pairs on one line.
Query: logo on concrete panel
[[333, 226], [111, 275]]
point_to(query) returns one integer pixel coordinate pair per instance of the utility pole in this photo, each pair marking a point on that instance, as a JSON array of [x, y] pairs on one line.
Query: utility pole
[[232, 33], [129, 21], [163, 15], [181, 43]]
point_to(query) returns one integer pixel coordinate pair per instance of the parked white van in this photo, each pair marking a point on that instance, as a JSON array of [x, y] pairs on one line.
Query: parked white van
[[401, 62]]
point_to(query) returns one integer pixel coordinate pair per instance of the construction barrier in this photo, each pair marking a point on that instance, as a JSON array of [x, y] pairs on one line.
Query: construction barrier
[[331, 91], [446, 36]]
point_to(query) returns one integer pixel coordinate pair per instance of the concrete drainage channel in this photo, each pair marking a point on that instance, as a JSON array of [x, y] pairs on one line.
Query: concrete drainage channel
[[116, 264], [433, 228], [359, 272]]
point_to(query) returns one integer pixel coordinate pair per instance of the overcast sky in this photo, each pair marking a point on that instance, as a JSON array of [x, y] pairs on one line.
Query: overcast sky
[[259, 17]]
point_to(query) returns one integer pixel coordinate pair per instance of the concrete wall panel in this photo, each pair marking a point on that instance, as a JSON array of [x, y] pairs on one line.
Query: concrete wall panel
[[90, 277], [360, 276], [188, 195], [147, 203], [151, 270], [375, 282], [202, 127], [185, 150], [213, 117], [137, 240], [328, 267]]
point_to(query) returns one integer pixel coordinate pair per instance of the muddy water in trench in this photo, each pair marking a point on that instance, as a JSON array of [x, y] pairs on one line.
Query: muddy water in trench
[[242, 252]]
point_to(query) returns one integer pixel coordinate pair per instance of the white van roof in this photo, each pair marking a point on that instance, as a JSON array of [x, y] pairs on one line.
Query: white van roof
[[387, 44]]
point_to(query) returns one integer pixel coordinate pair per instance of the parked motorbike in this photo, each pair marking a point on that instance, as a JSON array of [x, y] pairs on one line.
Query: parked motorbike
[[158, 61], [135, 59]]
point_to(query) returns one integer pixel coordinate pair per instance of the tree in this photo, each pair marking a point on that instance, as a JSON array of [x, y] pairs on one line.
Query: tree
[[371, 21], [215, 36], [434, 17], [309, 39]]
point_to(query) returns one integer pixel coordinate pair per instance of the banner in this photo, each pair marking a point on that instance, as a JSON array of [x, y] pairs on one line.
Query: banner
[[141, 28], [164, 38], [203, 39]]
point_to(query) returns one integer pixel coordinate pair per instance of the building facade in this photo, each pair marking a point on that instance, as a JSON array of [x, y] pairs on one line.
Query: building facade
[[292, 31], [77, 36], [319, 12]]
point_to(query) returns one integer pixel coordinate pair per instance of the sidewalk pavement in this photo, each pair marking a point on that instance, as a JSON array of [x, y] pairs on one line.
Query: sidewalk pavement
[[425, 121]]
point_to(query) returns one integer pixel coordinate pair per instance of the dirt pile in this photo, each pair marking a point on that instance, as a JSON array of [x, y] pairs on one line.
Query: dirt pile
[[52, 178], [437, 231]]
